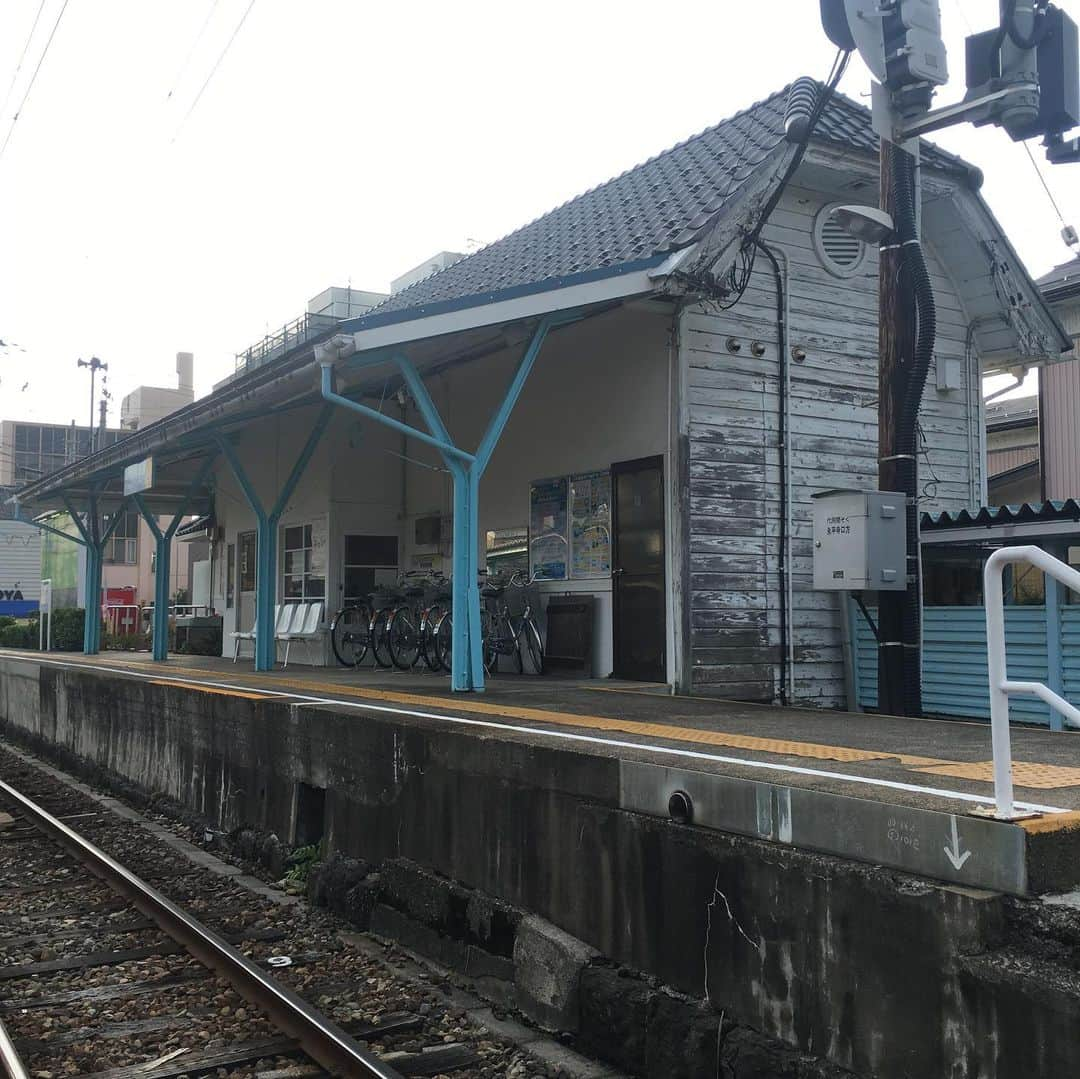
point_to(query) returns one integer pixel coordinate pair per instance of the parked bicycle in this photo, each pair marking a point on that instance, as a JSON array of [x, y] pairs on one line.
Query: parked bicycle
[[506, 634], [400, 627], [410, 630], [350, 634]]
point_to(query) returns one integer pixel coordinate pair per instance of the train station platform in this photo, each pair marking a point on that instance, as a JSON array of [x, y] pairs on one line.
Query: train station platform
[[911, 794]]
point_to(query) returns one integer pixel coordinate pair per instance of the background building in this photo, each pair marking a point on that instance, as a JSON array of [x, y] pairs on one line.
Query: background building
[[1059, 391], [29, 451], [1013, 466], [150, 403], [20, 561]]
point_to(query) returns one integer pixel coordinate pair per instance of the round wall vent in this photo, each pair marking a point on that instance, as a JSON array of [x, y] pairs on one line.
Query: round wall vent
[[841, 253]]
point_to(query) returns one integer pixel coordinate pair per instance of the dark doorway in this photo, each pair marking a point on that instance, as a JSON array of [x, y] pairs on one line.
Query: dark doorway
[[638, 571]]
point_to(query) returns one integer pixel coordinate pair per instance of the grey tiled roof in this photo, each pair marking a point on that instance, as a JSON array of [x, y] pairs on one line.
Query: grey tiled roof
[[654, 208], [1068, 273]]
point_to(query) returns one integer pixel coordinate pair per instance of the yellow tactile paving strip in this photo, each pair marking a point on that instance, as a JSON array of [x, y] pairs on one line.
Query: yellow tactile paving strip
[[1026, 774], [1053, 822], [200, 688]]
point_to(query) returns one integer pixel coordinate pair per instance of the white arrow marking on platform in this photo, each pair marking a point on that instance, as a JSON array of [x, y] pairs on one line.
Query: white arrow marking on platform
[[953, 853]]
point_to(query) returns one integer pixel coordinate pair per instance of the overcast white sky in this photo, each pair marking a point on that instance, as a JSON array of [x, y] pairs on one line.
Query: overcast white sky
[[343, 141]]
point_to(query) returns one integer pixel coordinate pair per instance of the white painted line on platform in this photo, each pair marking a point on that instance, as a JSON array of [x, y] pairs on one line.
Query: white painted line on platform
[[566, 736]]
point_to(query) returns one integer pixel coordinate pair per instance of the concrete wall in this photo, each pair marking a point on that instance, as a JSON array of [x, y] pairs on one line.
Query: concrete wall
[[884, 974]]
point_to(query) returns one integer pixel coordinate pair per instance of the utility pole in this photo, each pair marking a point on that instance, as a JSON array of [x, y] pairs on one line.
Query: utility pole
[[896, 349], [95, 365], [1022, 75], [896, 334]]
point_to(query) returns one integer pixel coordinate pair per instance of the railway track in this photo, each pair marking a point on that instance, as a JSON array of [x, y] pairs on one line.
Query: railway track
[[120, 960]]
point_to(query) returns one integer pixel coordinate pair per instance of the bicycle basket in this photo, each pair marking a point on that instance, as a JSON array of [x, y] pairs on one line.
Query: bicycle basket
[[517, 599]]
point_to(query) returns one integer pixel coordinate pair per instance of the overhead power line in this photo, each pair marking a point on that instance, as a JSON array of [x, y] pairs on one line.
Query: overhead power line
[[33, 78], [1045, 185], [194, 46], [22, 57], [213, 70]]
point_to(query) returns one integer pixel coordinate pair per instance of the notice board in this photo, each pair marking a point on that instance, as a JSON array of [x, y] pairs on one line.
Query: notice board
[[590, 525], [549, 540]]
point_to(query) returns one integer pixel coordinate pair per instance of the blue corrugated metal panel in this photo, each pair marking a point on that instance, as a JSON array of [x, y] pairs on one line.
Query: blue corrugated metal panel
[[1070, 652], [955, 680]]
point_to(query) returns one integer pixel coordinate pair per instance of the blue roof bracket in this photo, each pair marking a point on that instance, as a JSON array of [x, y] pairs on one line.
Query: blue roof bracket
[[441, 442], [74, 514], [517, 384], [50, 528]]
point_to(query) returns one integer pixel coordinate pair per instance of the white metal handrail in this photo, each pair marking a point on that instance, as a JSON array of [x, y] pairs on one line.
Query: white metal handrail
[[1000, 685]]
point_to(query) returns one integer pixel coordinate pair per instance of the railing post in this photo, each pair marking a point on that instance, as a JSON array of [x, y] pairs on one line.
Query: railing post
[[1054, 676], [994, 602]]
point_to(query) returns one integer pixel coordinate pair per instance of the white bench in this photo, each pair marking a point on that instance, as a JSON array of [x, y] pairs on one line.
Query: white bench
[[304, 627], [239, 636]]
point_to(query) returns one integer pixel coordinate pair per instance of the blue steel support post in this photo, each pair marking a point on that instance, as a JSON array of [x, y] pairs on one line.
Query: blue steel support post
[[466, 470], [263, 604], [467, 665], [97, 549], [457, 462], [162, 561], [163, 557], [88, 543], [266, 541], [92, 616]]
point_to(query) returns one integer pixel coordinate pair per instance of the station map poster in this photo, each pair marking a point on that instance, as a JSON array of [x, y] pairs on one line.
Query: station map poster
[[548, 531], [590, 525]]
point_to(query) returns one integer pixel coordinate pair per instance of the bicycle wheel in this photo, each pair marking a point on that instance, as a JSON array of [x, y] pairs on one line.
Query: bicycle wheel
[[444, 639], [534, 644], [427, 637], [515, 636], [489, 640], [380, 638], [350, 635], [403, 642]]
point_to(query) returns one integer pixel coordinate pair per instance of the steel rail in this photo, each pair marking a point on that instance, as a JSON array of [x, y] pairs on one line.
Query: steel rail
[[9, 1059], [325, 1042]]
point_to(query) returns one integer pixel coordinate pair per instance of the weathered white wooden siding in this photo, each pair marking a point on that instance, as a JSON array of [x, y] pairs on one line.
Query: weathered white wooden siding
[[734, 495]]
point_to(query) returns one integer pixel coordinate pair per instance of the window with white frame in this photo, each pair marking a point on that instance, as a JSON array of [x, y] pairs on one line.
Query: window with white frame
[[301, 579], [122, 547]]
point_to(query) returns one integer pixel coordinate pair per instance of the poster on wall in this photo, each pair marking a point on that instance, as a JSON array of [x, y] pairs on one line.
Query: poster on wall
[[320, 538], [548, 532], [590, 525]]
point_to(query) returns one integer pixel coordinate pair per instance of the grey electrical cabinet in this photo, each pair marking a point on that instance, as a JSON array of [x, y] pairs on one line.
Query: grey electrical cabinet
[[860, 541]]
